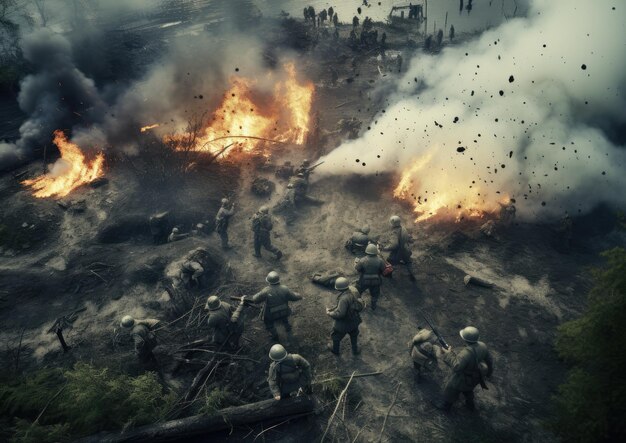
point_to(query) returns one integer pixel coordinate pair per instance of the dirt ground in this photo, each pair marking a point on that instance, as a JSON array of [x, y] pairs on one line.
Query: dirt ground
[[103, 259]]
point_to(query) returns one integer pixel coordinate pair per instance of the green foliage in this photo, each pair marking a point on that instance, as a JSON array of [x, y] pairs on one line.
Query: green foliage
[[214, 401], [591, 404], [87, 400]]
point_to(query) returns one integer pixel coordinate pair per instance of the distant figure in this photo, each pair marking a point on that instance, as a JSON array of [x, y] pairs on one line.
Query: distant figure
[[331, 12], [507, 213], [399, 62], [306, 14], [355, 22], [383, 40], [451, 32], [428, 43], [335, 20], [222, 220], [460, 6], [439, 37], [176, 235]]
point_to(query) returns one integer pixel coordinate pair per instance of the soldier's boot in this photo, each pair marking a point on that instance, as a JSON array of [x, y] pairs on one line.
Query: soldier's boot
[[333, 347], [374, 303], [355, 346]]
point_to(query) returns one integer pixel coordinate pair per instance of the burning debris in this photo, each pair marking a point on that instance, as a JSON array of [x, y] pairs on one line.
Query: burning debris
[[69, 172], [252, 118], [149, 127]]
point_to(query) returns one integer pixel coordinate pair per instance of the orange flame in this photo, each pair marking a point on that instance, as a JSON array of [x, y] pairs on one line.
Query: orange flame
[[69, 172], [450, 203], [249, 119], [147, 128]]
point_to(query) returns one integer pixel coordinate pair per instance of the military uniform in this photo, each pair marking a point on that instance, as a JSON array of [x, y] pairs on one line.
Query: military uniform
[[507, 214], [220, 322], [423, 351], [276, 298], [222, 220], [399, 251], [370, 269], [262, 227], [191, 272], [347, 318], [469, 367], [287, 376], [145, 340], [287, 206], [358, 242]]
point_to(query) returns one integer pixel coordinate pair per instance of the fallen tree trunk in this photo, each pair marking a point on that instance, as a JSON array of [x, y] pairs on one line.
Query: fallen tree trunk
[[205, 424]]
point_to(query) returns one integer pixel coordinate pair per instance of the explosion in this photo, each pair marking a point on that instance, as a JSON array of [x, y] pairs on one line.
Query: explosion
[[450, 203], [69, 172], [248, 118]]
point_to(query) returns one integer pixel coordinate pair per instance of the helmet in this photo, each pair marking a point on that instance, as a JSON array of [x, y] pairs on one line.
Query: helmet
[[127, 322], [175, 230], [213, 303], [300, 175], [469, 334], [278, 352], [341, 284], [225, 201], [306, 162], [395, 221], [290, 186], [264, 209], [371, 249], [365, 229], [273, 278]]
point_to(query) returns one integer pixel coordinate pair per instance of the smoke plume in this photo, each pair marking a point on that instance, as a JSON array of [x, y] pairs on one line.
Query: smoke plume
[[531, 110]]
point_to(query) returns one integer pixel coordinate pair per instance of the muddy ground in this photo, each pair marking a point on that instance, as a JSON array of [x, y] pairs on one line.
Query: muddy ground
[[103, 259]]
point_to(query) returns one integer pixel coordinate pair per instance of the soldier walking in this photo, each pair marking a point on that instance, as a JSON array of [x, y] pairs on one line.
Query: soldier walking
[[347, 317], [288, 373], [470, 367], [144, 338], [225, 321], [370, 269], [262, 227], [423, 350], [222, 220], [399, 249], [276, 298]]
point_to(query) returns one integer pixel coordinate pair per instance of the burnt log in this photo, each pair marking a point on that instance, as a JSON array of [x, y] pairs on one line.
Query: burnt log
[[197, 425]]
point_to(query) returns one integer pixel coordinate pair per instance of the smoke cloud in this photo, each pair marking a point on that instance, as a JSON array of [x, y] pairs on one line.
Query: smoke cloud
[[531, 110]]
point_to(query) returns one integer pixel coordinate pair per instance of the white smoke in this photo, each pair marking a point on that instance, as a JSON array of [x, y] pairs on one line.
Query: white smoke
[[535, 106]]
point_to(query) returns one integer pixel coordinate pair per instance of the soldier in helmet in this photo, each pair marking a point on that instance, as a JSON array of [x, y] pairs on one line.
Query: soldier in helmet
[[469, 369], [176, 235], [222, 219], [262, 227], [276, 298], [143, 336], [288, 373], [370, 269], [192, 270], [225, 321], [359, 241], [424, 349], [347, 317], [399, 249], [304, 168]]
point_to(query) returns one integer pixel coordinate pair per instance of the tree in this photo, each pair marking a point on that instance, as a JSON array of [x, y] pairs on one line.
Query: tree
[[591, 404]]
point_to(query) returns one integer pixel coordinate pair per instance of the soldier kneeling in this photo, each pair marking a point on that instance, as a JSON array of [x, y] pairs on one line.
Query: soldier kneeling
[[424, 351], [225, 321], [288, 373]]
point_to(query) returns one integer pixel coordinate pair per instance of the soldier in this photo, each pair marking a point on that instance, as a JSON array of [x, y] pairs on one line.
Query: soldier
[[566, 232], [222, 219], [288, 373], [175, 235], [225, 321], [287, 206], [507, 213], [346, 316], [469, 368], [355, 22], [423, 350], [262, 227], [191, 270], [359, 241], [370, 269], [399, 251], [276, 298], [304, 168], [143, 336]]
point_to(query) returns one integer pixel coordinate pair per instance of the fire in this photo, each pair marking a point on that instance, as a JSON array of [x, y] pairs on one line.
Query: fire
[[69, 172], [147, 128], [451, 202], [250, 119]]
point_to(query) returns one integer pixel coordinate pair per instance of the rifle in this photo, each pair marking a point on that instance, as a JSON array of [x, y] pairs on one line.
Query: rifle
[[442, 340], [62, 323], [311, 168], [243, 302]]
